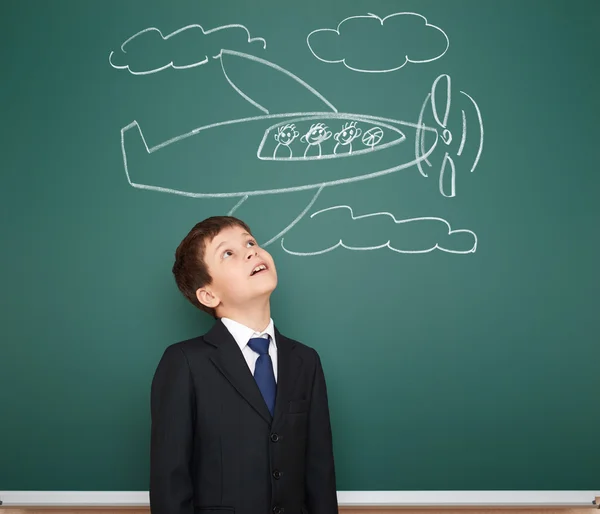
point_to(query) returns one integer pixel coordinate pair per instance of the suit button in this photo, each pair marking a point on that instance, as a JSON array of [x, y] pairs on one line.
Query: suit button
[[278, 510], [277, 474], [274, 437]]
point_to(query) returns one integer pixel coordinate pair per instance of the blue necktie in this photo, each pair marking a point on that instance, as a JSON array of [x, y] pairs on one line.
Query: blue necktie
[[263, 372]]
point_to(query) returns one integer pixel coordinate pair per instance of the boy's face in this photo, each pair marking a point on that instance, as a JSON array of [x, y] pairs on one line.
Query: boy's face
[[233, 258]]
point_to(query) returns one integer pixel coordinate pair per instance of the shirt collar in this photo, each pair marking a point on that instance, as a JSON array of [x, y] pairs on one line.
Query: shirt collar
[[242, 334]]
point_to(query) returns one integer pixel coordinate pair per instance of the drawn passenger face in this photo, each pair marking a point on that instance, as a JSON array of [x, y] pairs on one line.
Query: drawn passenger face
[[316, 134], [348, 133], [286, 134]]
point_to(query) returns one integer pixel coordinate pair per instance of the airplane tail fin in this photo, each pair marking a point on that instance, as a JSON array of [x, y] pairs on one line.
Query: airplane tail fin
[[131, 137]]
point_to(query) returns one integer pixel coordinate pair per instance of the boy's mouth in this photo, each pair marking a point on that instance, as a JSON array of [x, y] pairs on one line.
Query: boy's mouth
[[259, 269]]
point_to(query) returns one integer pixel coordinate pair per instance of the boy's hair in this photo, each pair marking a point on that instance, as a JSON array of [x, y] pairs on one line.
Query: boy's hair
[[190, 270]]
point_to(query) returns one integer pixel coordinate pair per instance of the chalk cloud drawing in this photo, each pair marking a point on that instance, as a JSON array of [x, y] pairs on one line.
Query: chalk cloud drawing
[[370, 44], [295, 153], [139, 53], [355, 229]]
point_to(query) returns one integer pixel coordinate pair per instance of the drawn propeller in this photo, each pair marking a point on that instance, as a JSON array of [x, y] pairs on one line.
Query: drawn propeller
[[440, 100]]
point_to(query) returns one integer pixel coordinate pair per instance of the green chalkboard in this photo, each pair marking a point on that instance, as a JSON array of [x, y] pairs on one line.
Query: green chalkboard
[[424, 173]]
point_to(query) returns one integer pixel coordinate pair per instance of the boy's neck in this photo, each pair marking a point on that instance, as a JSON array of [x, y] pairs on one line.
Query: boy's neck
[[256, 316]]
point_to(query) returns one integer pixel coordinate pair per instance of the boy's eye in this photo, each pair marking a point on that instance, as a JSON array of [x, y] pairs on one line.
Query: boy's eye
[[251, 243], [226, 254]]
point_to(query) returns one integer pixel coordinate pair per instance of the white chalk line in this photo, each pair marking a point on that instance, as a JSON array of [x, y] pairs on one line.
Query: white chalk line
[[382, 20], [448, 159], [298, 218], [464, 133], [446, 136], [480, 130], [280, 69], [240, 92], [448, 97], [420, 137], [168, 36], [169, 65], [237, 206], [340, 243]]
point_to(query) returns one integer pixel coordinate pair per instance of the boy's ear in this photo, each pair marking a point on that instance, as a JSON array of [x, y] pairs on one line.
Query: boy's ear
[[207, 297]]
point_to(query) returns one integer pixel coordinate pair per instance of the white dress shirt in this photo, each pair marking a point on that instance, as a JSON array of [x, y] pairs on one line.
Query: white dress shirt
[[242, 334]]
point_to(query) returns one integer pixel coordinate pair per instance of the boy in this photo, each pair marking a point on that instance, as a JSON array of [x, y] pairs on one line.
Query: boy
[[240, 416]]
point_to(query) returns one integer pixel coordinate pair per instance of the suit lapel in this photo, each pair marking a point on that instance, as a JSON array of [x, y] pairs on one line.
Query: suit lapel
[[288, 366], [231, 363]]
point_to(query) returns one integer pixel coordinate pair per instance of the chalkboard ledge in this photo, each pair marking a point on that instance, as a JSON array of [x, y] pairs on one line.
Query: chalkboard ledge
[[345, 498]]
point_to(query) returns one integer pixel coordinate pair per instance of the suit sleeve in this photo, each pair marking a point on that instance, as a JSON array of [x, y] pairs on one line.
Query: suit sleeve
[[172, 406], [320, 470]]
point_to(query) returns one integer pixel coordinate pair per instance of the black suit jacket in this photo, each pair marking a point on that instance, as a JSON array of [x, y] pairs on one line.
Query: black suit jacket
[[215, 449]]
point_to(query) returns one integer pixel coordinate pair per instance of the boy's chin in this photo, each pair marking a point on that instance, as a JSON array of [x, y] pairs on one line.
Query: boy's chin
[[266, 287]]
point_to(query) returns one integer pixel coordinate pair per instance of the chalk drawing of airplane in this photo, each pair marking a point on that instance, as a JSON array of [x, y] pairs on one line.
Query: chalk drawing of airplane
[[292, 153]]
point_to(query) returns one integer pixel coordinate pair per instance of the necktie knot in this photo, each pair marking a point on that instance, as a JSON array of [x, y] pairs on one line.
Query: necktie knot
[[260, 345]]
